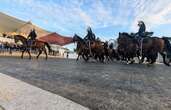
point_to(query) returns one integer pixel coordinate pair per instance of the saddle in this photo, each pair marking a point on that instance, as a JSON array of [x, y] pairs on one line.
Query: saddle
[[148, 34], [31, 42]]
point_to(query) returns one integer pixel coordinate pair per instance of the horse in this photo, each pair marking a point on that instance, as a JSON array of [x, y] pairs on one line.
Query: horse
[[127, 47], [81, 49], [98, 50], [110, 52], [151, 46], [39, 45]]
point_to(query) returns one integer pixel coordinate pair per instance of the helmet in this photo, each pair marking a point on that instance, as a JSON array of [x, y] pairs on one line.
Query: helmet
[[140, 22], [89, 29]]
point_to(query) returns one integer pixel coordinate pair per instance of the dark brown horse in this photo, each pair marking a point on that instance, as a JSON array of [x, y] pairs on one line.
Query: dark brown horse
[[95, 49], [127, 47], [39, 45], [151, 46], [98, 50], [110, 52], [81, 49]]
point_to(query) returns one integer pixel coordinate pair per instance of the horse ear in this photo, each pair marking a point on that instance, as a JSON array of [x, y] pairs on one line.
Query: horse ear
[[74, 34], [119, 33]]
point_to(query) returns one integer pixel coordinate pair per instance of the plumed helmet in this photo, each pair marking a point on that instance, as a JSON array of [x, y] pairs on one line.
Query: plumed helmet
[[89, 29], [140, 22]]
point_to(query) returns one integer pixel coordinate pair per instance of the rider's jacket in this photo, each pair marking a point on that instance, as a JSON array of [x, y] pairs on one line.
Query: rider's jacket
[[90, 36], [32, 35], [142, 30]]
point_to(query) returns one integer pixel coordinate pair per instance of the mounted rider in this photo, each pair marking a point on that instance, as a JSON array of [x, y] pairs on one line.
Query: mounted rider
[[90, 37], [32, 37], [142, 30], [141, 34]]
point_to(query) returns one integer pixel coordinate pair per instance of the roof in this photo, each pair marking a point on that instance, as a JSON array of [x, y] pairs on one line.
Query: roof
[[58, 39]]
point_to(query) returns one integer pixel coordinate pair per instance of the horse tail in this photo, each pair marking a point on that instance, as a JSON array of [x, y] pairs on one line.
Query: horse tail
[[167, 44], [48, 46]]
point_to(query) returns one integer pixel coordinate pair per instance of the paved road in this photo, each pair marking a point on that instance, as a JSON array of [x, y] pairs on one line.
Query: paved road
[[18, 95], [111, 86]]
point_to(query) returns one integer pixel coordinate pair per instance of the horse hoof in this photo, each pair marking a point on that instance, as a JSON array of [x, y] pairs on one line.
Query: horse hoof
[[167, 64]]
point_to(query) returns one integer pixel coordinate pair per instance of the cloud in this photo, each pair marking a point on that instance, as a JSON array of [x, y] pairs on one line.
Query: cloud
[[152, 12], [75, 15]]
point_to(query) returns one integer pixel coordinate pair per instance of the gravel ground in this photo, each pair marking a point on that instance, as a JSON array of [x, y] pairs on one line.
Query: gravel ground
[[109, 86]]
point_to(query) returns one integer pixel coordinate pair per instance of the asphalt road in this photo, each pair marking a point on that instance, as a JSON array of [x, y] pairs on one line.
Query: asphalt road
[[109, 86]]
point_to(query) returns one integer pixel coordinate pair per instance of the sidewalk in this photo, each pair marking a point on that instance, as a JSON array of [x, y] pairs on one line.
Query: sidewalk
[[18, 95]]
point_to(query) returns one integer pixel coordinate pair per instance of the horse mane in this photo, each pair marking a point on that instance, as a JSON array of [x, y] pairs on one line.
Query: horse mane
[[80, 39], [20, 36], [126, 34]]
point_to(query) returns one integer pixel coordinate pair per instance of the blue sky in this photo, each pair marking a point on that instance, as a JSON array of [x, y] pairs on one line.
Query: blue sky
[[106, 17]]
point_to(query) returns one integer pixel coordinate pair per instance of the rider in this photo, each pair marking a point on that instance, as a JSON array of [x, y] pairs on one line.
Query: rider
[[142, 29], [90, 35], [89, 38], [140, 34], [32, 36]]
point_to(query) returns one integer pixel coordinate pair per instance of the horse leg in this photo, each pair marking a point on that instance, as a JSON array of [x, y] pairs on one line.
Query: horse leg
[[46, 54], [142, 60], [132, 60], [165, 59], [40, 52], [22, 54], [78, 56], [101, 58], [85, 57], [96, 57], [29, 53], [153, 58]]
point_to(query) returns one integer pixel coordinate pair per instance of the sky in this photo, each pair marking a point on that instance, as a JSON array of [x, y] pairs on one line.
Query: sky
[[106, 17]]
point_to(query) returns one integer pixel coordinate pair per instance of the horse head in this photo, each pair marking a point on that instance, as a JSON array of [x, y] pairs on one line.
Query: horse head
[[16, 39], [124, 38], [77, 38], [21, 38], [121, 38]]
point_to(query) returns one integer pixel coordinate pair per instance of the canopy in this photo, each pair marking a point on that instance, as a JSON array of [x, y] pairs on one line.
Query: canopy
[[55, 38], [10, 25]]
